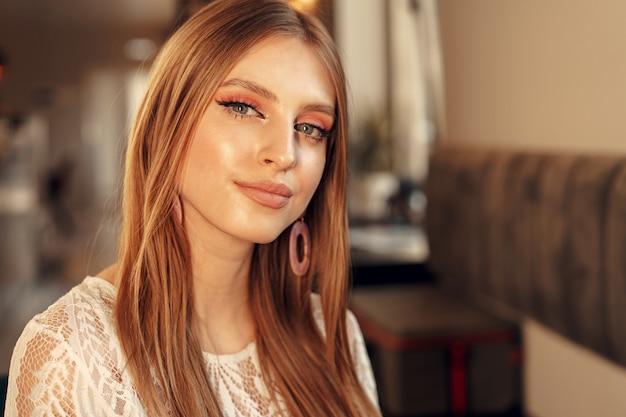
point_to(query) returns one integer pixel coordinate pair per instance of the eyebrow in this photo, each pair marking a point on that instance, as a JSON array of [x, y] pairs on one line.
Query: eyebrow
[[252, 86], [264, 92]]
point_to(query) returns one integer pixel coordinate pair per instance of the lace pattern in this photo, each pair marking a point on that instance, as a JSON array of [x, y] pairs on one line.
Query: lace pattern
[[67, 362]]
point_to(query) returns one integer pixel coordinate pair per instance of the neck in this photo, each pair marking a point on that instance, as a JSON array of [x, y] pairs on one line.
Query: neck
[[223, 320]]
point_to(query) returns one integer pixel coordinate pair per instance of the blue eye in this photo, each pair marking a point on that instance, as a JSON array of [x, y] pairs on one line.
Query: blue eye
[[240, 109], [312, 131]]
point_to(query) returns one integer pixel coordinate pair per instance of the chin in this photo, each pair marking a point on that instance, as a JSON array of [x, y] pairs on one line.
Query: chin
[[264, 232], [265, 236], [266, 240]]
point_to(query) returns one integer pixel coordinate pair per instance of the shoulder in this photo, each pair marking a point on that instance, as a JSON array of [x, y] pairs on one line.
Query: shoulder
[[354, 331], [72, 343], [82, 317], [70, 330], [358, 350], [88, 303]]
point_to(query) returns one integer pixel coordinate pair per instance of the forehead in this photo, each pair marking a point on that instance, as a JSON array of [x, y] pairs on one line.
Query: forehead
[[286, 64]]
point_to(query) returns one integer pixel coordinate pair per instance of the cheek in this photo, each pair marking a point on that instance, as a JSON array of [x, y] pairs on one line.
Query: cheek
[[212, 149], [205, 159], [314, 164]]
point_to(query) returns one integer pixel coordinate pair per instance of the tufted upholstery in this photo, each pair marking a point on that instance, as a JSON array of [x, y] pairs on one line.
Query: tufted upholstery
[[542, 233]]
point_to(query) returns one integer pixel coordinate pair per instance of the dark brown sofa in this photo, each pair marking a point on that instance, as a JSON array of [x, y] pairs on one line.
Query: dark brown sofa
[[543, 234]]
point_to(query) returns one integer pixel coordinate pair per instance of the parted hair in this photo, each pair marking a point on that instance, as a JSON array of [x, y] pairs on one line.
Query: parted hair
[[311, 370]]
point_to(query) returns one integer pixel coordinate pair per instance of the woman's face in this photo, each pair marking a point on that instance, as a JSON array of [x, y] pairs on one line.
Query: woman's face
[[259, 152]]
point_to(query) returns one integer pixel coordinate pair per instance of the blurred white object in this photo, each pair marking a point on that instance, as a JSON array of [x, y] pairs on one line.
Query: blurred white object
[[17, 199], [396, 242], [369, 194]]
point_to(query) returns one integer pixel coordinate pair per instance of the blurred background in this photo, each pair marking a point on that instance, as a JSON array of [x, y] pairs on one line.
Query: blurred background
[[533, 75], [72, 75]]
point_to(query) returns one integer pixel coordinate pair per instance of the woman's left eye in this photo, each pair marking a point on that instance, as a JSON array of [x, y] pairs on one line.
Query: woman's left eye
[[311, 130]]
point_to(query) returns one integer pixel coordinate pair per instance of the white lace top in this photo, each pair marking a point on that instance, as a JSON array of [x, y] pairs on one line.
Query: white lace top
[[68, 362]]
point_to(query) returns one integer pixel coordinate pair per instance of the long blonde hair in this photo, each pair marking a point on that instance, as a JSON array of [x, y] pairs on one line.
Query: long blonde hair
[[312, 373]]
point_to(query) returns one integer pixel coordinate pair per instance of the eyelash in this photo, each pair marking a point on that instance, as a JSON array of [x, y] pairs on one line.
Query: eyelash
[[230, 108], [230, 105], [323, 133]]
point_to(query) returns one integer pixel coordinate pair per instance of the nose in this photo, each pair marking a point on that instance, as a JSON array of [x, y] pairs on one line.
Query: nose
[[279, 148]]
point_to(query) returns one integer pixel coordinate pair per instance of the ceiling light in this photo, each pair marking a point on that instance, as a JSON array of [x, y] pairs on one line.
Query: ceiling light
[[308, 6], [139, 49]]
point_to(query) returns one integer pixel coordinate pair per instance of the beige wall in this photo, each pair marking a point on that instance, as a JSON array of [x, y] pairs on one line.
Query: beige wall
[[360, 35], [543, 74], [536, 73], [565, 380]]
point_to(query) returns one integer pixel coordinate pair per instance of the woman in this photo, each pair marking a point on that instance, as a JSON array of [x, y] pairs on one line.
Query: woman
[[238, 150]]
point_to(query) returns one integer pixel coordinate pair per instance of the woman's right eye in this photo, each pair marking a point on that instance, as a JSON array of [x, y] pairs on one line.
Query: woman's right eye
[[241, 109]]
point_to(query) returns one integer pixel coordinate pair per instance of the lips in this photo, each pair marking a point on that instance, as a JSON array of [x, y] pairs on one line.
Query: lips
[[266, 193]]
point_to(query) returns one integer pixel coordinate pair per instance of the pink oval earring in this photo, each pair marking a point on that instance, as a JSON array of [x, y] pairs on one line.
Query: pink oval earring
[[299, 230]]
